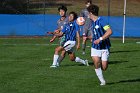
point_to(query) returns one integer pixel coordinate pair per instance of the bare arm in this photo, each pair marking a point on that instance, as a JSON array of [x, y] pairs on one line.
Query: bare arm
[[78, 40], [105, 36], [59, 34]]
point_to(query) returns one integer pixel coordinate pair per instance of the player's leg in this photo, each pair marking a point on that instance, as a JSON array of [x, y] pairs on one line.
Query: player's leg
[[95, 54], [105, 56], [84, 38], [77, 59], [68, 46], [84, 44], [56, 56], [61, 57]]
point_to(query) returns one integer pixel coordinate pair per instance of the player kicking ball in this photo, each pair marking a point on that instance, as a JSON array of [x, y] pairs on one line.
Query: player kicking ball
[[71, 32]]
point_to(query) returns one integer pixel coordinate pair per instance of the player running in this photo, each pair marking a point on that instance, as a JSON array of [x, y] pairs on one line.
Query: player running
[[86, 27], [71, 32], [100, 42]]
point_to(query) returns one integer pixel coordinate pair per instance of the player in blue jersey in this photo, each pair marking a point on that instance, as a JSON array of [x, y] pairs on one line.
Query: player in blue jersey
[[71, 32], [100, 42], [86, 27]]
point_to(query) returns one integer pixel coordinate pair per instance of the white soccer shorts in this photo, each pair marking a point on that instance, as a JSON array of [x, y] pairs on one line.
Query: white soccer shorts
[[104, 54], [69, 45]]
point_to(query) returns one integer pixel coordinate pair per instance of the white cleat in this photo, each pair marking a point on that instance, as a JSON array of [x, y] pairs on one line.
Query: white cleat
[[103, 83], [53, 66], [86, 63], [83, 53], [57, 64]]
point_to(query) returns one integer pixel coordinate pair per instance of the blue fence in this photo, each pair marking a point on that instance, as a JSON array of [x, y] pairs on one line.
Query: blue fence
[[38, 25]]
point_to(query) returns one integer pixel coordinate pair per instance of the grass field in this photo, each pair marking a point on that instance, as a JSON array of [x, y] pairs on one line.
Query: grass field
[[24, 68]]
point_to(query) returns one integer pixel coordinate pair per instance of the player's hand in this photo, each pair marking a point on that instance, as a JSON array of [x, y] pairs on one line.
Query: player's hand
[[51, 40], [84, 38], [49, 32], [97, 41]]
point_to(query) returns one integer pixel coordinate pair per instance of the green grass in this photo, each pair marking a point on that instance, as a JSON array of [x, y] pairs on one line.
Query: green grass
[[24, 68]]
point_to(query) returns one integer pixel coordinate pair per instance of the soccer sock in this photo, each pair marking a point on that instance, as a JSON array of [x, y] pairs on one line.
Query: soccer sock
[[99, 74], [77, 59], [55, 57], [83, 47], [60, 58]]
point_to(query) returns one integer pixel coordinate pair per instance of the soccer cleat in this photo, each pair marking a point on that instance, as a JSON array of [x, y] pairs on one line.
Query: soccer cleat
[[53, 66], [83, 53], [103, 83], [57, 64], [86, 63]]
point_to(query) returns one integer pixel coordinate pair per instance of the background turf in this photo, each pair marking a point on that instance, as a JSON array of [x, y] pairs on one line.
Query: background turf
[[24, 68]]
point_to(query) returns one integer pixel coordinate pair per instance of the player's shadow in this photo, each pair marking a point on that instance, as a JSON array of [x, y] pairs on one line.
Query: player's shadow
[[125, 51], [131, 67], [117, 62], [125, 81]]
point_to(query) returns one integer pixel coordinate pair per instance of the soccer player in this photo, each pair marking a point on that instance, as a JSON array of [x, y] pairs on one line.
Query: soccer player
[[100, 42], [60, 24], [71, 32], [86, 27]]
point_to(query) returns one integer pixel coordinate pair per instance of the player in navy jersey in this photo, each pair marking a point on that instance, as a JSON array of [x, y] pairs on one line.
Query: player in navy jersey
[[71, 32], [86, 27], [100, 42]]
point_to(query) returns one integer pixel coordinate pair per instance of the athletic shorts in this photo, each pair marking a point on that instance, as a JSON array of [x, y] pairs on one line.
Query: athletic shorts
[[103, 54], [62, 41], [69, 45]]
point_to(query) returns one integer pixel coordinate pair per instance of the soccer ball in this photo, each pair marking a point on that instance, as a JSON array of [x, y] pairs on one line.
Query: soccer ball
[[80, 21]]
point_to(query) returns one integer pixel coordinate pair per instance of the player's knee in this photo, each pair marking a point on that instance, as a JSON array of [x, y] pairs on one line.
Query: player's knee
[[56, 50], [104, 68], [72, 59]]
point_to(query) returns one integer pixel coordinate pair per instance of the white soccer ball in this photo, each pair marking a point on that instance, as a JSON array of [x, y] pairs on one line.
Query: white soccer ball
[[80, 21]]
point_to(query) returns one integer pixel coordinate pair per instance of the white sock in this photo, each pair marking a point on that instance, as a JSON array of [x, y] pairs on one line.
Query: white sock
[[99, 74], [77, 59], [55, 57]]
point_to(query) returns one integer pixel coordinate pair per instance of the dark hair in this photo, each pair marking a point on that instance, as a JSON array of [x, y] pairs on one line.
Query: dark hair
[[63, 8], [74, 14], [88, 1], [94, 9]]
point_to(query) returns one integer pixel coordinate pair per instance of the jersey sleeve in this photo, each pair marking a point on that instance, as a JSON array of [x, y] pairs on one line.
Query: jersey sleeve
[[104, 24]]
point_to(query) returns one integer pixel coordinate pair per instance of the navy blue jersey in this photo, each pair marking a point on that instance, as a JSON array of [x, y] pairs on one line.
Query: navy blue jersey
[[70, 31], [99, 28]]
